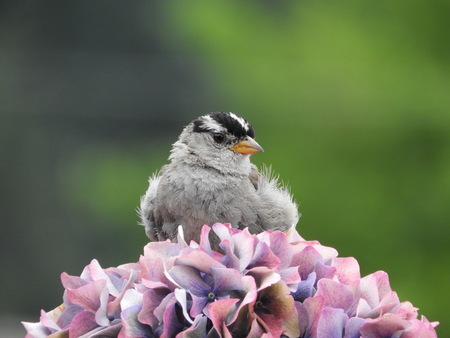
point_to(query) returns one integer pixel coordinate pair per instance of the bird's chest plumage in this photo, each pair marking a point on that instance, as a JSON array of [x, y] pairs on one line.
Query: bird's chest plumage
[[205, 196]]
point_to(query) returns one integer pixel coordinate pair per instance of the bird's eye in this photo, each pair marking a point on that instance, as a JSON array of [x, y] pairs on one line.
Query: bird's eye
[[219, 137]]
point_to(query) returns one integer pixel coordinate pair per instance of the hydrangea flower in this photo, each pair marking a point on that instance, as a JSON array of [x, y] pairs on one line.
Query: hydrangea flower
[[267, 285]]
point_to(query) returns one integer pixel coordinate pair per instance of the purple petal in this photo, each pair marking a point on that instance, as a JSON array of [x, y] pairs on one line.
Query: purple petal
[[131, 326], [230, 260], [198, 305], [189, 278], [150, 301], [305, 288], [331, 323], [68, 314], [352, 327], [336, 295], [161, 308], [114, 306], [197, 329], [226, 279], [110, 331], [172, 323]]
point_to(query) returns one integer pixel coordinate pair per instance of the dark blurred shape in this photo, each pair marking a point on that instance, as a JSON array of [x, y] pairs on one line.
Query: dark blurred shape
[[81, 82]]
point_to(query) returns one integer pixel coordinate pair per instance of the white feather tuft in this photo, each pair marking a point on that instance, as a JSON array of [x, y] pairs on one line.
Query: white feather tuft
[[243, 123]]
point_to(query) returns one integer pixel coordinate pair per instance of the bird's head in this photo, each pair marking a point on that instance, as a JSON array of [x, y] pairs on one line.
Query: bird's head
[[219, 140]]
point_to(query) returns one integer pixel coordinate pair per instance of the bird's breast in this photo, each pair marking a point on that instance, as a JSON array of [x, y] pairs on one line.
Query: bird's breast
[[209, 197]]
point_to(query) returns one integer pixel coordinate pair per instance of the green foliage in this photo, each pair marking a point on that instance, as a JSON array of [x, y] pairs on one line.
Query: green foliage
[[350, 102]]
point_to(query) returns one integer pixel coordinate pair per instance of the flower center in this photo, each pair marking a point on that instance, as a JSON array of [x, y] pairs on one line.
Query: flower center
[[211, 296]]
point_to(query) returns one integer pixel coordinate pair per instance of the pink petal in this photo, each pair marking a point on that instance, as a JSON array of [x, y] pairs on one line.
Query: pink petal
[[385, 326], [347, 269], [199, 260], [336, 295], [220, 312], [374, 287], [222, 231], [324, 271], [48, 321], [306, 261], [264, 277], [312, 310], [243, 245], [87, 296], [407, 310], [290, 276], [280, 246], [72, 282], [420, 328], [205, 245], [263, 256], [250, 296], [82, 323]]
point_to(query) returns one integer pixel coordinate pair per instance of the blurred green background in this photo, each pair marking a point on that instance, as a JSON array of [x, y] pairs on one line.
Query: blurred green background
[[350, 101]]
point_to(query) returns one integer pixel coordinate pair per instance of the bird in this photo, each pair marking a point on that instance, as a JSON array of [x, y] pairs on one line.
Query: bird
[[210, 179]]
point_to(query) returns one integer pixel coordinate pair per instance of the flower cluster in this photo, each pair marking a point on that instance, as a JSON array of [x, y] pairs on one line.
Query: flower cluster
[[266, 285]]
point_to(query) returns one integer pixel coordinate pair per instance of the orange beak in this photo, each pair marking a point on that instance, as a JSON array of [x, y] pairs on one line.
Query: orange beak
[[247, 147]]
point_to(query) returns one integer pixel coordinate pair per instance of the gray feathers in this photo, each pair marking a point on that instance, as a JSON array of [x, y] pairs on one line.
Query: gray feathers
[[210, 179]]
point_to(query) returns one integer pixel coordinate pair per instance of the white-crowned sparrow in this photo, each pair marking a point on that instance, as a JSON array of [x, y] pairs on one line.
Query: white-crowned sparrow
[[210, 179]]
